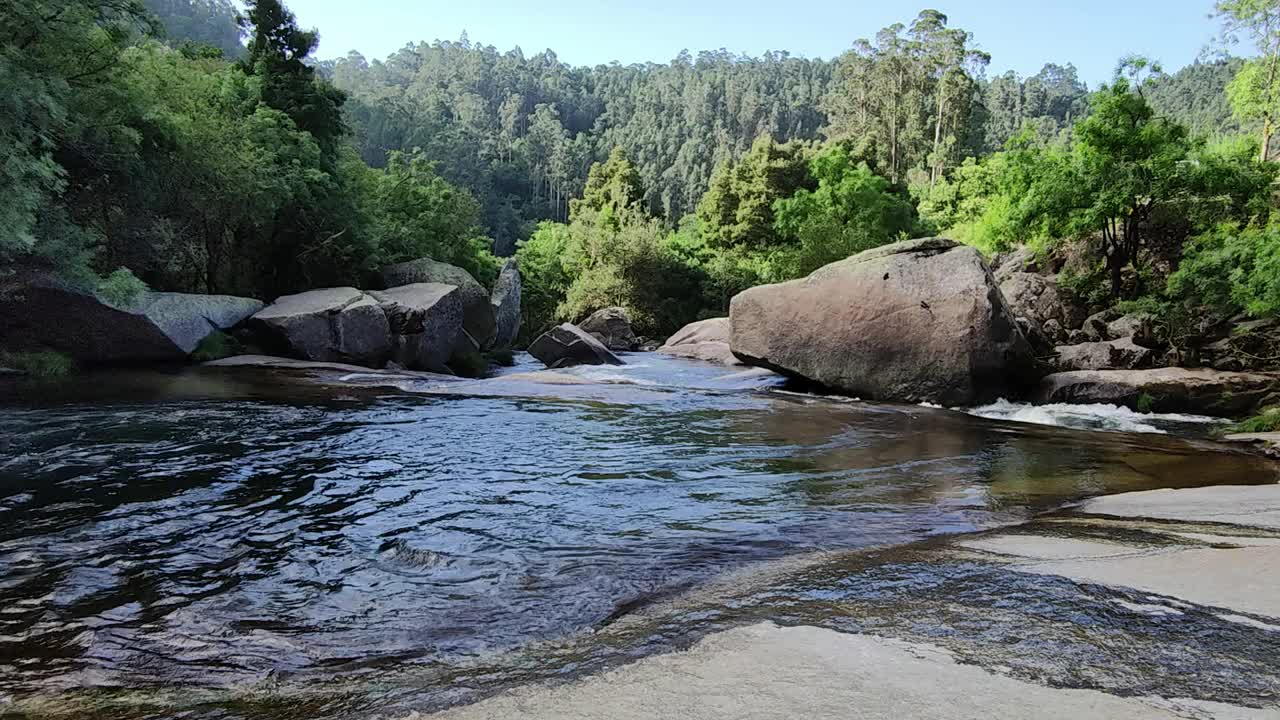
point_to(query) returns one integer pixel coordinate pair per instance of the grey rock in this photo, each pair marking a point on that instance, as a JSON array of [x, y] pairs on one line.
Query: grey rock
[[44, 312], [329, 325], [921, 320], [477, 310], [1140, 327], [1120, 354], [1095, 326], [1039, 298], [505, 303], [703, 340], [425, 320], [612, 326], [567, 345], [1179, 390]]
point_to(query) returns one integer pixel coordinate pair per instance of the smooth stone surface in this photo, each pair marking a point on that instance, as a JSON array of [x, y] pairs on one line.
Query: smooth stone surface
[[568, 345], [329, 325], [1247, 505], [1046, 547], [1168, 390], [1120, 354], [425, 320], [505, 302], [153, 327], [706, 340], [916, 321], [612, 327], [477, 309], [766, 672]]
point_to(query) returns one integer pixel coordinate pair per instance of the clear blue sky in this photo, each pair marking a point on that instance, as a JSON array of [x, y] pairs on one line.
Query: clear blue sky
[[1020, 36]]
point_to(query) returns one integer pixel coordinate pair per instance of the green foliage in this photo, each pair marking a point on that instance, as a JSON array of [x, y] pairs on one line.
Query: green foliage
[[1145, 402], [216, 346], [1267, 421], [415, 214], [44, 364], [852, 209], [208, 23], [1231, 269], [738, 208], [121, 287]]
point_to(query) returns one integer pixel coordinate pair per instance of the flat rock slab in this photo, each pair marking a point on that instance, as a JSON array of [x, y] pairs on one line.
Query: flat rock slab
[[1044, 547], [769, 672], [1240, 579], [1247, 505]]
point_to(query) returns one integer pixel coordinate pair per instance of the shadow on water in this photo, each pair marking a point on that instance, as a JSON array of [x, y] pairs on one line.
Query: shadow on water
[[286, 549]]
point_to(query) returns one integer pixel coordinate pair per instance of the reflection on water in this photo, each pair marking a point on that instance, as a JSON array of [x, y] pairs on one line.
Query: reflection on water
[[221, 531]]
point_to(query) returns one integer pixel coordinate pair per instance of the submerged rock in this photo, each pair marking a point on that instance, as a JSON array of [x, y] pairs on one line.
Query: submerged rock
[[425, 321], [478, 316], [1166, 390], [921, 320], [330, 325], [703, 340], [505, 302], [153, 327], [612, 327], [569, 345]]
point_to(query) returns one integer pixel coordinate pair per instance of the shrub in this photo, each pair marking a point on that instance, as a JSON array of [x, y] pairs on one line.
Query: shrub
[[44, 364], [121, 287], [1266, 421], [216, 346]]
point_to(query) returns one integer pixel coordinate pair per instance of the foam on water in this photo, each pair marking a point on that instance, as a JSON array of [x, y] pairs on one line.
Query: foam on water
[[1089, 417]]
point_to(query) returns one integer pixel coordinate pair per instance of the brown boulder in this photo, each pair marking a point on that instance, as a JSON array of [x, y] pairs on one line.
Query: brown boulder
[[703, 340], [612, 327], [921, 320], [1178, 390]]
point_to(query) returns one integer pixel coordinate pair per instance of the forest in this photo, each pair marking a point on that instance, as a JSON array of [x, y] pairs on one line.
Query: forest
[[187, 145]]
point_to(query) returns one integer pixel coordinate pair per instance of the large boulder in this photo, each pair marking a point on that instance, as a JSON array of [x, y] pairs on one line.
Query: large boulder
[[1122, 354], [425, 321], [612, 327], [1038, 298], [478, 316], [505, 302], [45, 313], [568, 345], [330, 325], [703, 340], [921, 320], [1177, 390]]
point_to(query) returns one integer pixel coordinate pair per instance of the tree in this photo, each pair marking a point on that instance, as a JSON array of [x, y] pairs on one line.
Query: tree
[[277, 54], [737, 209], [852, 209], [1255, 92]]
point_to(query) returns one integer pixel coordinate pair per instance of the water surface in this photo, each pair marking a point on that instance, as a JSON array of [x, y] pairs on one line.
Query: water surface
[[233, 533]]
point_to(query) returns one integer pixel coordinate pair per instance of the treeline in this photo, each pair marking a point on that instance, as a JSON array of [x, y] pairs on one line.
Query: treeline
[[170, 164], [207, 157]]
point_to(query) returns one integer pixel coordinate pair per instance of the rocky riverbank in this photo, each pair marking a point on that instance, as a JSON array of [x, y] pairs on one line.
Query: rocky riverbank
[[1199, 566]]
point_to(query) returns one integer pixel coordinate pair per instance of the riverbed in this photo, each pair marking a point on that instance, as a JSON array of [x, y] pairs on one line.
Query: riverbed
[[232, 543]]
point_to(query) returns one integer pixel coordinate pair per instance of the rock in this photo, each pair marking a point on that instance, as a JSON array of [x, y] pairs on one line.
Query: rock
[[1021, 259], [921, 320], [1095, 326], [703, 340], [568, 345], [1039, 298], [1177, 390], [1041, 345], [329, 325], [425, 320], [1138, 326], [154, 327], [1075, 337], [478, 316], [505, 303], [612, 326], [1120, 354], [644, 344]]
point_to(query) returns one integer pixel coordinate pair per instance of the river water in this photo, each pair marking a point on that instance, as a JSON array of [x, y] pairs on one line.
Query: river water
[[219, 543]]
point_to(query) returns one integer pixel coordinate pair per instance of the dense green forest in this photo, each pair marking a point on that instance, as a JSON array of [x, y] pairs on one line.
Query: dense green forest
[[183, 145]]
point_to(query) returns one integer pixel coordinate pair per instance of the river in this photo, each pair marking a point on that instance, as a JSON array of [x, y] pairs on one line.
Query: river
[[230, 543]]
